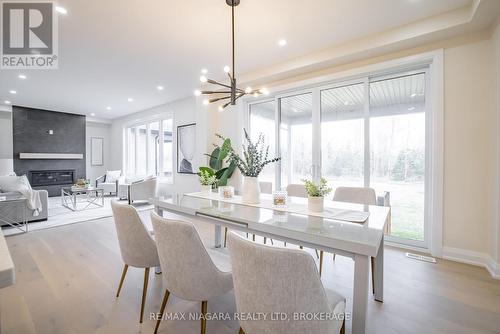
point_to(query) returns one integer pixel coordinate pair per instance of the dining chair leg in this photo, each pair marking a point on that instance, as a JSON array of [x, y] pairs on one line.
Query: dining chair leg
[[144, 292], [301, 247], [253, 237], [225, 236], [333, 256], [373, 274], [342, 329], [265, 240], [162, 309], [124, 272], [203, 316], [321, 253], [316, 251]]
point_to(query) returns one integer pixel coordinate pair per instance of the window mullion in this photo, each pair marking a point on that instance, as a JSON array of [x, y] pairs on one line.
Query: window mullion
[[366, 150]]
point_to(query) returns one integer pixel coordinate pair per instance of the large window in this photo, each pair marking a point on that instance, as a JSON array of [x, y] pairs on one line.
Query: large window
[[148, 148], [370, 132]]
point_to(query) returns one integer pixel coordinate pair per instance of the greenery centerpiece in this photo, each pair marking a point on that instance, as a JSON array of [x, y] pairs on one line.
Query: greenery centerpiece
[[316, 193], [207, 181], [255, 158]]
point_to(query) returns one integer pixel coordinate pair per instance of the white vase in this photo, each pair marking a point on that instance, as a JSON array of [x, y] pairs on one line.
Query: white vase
[[315, 204], [251, 190], [206, 190]]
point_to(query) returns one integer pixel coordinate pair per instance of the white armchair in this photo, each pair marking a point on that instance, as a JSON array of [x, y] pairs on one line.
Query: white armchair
[[141, 190], [109, 182]]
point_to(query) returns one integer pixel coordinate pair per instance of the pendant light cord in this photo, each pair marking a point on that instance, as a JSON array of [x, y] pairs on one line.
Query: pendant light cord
[[232, 29]]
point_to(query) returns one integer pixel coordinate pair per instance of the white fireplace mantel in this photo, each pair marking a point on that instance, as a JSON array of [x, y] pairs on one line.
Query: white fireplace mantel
[[61, 156]]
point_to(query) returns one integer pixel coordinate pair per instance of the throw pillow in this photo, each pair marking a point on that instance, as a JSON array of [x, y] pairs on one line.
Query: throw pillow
[[113, 175]]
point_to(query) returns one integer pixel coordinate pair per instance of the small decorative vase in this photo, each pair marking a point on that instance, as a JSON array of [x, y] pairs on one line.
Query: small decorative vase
[[251, 190], [315, 204], [206, 190]]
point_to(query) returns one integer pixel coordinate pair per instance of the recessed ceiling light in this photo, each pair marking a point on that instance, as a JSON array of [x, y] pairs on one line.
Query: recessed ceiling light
[[204, 71], [12, 91], [92, 114], [130, 99], [21, 76], [108, 108], [7, 102], [61, 10], [282, 42], [159, 87]]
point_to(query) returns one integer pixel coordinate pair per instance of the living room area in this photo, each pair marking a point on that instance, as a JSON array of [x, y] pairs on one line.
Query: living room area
[[59, 167], [250, 166]]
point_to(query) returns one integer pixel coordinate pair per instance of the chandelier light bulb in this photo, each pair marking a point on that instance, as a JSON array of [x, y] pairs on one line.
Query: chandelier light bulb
[[264, 91], [204, 71], [256, 94], [248, 90], [205, 102], [203, 79], [197, 92], [227, 69], [220, 108]]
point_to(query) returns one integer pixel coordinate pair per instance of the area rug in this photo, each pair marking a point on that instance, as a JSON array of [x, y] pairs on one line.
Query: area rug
[[60, 215]]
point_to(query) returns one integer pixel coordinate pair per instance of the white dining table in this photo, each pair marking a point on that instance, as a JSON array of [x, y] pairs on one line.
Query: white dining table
[[330, 231]]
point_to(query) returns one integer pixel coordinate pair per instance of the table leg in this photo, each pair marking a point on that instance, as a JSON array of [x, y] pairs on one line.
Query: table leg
[[159, 211], [360, 293], [218, 233], [379, 273]]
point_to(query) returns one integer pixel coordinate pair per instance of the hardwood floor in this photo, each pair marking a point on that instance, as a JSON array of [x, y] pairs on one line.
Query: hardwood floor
[[67, 279]]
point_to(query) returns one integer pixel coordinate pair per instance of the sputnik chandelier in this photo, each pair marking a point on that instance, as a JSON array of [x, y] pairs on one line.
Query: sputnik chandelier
[[228, 92]]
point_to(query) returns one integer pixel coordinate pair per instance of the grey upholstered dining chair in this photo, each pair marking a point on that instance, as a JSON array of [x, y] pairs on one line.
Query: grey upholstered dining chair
[[266, 187], [137, 247], [269, 279], [296, 190], [359, 195], [189, 271]]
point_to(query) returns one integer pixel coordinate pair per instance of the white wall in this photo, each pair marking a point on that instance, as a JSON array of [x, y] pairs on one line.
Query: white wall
[[184, 111], [495, 222], [6, 135], [101, 130]]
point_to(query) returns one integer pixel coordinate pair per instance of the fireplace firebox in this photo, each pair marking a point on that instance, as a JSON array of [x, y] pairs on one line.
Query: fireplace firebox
[[40, 178]]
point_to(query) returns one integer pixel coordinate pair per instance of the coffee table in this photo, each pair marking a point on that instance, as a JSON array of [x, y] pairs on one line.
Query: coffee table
[[78, 199]]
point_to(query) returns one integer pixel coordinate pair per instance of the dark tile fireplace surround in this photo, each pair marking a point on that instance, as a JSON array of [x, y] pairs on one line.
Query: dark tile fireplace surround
[[44, 131]]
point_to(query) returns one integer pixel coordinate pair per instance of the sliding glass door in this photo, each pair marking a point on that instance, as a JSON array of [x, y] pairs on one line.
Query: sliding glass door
[[342, 135], [296, 126], [370, 132], [397, 150]]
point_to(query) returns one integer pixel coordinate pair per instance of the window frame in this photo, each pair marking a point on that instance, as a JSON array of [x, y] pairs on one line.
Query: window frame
[[433, 64], [147, 121]]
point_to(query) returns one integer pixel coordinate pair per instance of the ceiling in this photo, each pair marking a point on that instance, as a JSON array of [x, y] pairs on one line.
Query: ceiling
[[403, 94], [113, 50]]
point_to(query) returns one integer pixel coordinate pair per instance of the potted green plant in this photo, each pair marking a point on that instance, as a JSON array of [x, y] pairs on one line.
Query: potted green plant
[[255, 158], [316, 194], [207, 181], [219, 163]]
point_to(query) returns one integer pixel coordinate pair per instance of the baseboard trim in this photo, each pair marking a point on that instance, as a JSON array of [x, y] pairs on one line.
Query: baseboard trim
[[474, 258]]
